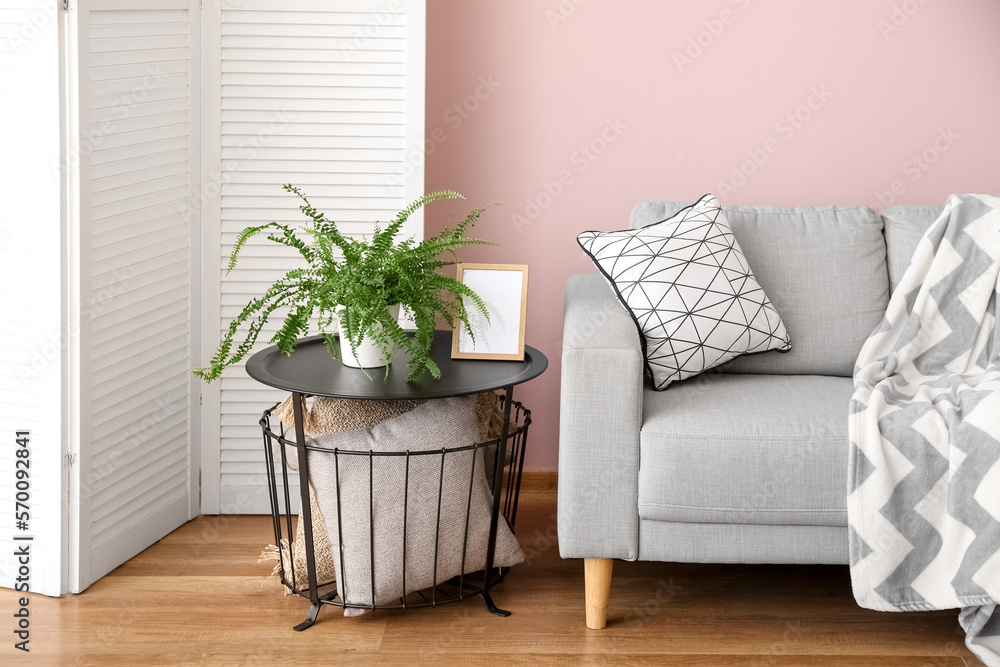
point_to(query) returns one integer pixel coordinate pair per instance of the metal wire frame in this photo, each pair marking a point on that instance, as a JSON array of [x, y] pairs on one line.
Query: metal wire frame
[[454, 590]]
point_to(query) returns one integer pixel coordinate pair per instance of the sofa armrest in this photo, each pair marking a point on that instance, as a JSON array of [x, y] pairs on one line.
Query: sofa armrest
[[600, 416]]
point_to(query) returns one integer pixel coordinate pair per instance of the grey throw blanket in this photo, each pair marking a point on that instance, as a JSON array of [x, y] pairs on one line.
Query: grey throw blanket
[[924, 497]]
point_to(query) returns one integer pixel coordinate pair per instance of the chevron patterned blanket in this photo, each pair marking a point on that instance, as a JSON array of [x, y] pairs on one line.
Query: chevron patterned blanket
[[924, 499]]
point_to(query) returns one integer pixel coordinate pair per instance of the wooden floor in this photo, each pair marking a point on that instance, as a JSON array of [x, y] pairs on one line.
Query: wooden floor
[[198, 597]]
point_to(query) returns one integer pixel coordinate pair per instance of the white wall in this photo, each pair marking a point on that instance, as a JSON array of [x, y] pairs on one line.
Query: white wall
[[34, 337], [122, 187]]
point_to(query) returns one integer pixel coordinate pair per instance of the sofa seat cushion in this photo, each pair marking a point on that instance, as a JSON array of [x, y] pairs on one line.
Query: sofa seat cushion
[[824, 270], [734, 448]]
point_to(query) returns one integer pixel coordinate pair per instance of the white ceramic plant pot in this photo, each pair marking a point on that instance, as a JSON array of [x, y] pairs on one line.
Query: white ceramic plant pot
[[367, 354]]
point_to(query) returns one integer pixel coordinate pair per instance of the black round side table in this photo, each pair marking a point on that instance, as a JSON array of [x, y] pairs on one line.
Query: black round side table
[[311, 371]]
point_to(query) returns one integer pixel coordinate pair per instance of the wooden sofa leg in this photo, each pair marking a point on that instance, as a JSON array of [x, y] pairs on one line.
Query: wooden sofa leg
[[597, 582]]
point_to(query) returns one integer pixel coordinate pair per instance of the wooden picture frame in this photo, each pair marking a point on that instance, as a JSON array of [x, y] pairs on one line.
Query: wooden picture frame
[[504, 289]]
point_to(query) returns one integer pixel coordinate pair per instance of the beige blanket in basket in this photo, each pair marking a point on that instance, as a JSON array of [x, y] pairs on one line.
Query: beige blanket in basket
[[333, 415]]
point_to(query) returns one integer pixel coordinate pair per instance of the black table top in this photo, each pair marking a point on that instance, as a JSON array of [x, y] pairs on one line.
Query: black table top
[[311, 370]]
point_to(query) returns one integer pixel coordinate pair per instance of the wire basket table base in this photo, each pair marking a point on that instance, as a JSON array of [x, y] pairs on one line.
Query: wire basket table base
[[506, 453]]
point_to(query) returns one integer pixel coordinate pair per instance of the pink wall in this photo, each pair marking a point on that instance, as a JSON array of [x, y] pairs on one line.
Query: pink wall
[[538, 81]]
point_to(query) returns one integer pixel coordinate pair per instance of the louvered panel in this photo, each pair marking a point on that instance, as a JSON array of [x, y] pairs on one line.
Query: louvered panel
[[130, 201], [151, 323], [139, 131], [153, 93], [330, 160], [241, 431], [364, 147], [169, 485], [149, 401], [140, 57], [163, 24], [358, 12], [107, 185], [160, 465], [31, 340], [158, 290], [352, 110], [258, 178], [125, 366], [235, 67], [317, 55], [115, 222], [140, 252], [162, 145], [280, 88], [173, 307], [355, 136], [115, 12], [116, 114], [138, 87], [131, 165], [393, 27], [308, 165], [303, 99], [149, 447], [159, 269], [376, 206], [242, 209], [138, 463], [105, 244], [115, 414], [248, 468], [127, 70], [236, 20]]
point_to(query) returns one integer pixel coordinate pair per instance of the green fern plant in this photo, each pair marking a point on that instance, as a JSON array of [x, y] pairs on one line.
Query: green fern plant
[[364, 275]]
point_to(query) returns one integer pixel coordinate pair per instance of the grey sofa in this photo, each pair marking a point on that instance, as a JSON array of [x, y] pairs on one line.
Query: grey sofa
[[746, 463]]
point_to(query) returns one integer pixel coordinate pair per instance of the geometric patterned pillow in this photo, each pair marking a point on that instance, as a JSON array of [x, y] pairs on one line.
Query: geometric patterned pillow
[[689, 289]]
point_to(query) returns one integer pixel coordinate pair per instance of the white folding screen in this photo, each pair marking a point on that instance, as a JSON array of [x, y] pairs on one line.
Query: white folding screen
[[128, 167], [326, 96], [138, 158], [34, 335]]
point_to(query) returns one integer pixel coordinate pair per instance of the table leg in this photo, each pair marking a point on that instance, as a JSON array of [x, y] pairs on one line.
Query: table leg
[[303, 461], [492, 607], [310, 618], [498, 468]]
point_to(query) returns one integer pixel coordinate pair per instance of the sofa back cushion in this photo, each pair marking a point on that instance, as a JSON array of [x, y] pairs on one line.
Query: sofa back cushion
[[824, 269], [904, 227]]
